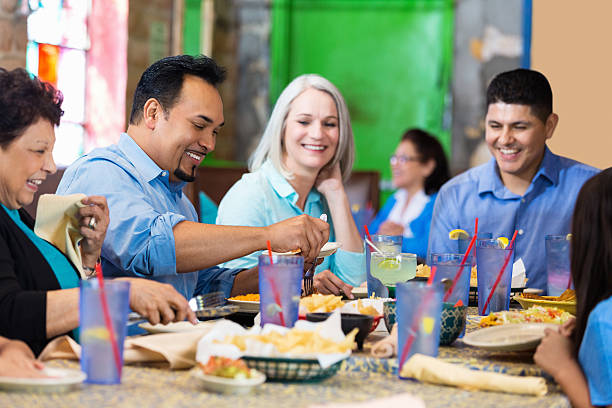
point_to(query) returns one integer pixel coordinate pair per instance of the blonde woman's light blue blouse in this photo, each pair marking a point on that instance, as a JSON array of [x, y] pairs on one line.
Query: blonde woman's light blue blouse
[[265, 197]]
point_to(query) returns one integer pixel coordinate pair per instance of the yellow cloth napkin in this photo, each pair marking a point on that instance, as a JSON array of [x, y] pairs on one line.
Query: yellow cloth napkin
[[387, 347], [56, 223], [431, 370], [171, 350]]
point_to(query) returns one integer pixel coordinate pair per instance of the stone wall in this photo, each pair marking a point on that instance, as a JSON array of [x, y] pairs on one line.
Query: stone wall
[[149, 39], [13, 33], [487, 41]]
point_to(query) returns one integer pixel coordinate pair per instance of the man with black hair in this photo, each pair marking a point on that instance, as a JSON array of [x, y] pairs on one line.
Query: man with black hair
[[524, 187], [153, 232]]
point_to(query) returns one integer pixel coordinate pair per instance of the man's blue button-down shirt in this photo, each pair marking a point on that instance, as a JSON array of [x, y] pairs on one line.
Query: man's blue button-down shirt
[[546, 208], [144, 207]]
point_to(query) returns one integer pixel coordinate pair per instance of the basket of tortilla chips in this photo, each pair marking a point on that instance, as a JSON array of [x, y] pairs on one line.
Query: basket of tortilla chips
[[308, 352]]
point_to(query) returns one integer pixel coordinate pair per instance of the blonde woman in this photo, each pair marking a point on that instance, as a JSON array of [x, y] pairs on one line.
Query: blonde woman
[[305, 154]]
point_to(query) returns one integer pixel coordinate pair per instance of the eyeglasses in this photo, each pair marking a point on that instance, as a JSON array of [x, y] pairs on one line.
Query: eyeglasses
[[401, 159]]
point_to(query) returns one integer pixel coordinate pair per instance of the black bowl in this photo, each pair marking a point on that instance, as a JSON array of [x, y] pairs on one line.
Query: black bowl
[[349, 322]]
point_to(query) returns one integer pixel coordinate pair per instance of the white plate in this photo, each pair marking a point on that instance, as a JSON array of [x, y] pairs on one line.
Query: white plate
[[328, 249], [248, 306], [62, 380], [176, 327], [509, 337], [229, 385], [534, 291]]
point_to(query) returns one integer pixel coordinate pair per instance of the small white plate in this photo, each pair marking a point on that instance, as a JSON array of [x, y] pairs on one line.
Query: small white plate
[[62, 380], [229, 385], [176, 327], [248, 306], [509, 337]]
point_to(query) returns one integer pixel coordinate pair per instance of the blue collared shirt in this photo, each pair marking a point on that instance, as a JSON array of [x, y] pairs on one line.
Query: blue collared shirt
[[265, 197], [144, 207], [546, 208]]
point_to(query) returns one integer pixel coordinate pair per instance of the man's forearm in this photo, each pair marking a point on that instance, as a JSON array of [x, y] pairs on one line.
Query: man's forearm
[[199, 246], [246, 282]]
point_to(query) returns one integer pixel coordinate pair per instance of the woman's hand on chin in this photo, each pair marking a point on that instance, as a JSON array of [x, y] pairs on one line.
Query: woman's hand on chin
[[329, 181]]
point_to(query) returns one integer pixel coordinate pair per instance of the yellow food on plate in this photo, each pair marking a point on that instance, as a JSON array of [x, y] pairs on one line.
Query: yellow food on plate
[[423, 271], [321, 303], [366, 310], [535, 314], [251, 297], [297, 341], [458, 234]]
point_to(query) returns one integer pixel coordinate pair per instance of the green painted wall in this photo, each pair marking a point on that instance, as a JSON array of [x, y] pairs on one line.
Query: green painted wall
[[391, 59], [191, 27]]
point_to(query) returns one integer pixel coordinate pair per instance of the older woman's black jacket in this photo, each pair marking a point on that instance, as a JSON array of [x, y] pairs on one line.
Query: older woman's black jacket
[[25, 278]]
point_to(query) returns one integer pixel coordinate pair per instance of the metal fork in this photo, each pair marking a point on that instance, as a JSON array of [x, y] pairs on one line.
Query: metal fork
[[309, 275], [207, 301], [308, 280]]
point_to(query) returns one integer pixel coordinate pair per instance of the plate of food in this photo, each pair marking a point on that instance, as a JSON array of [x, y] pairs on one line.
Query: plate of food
[[57, 380], [566, 301], [175, 327], [535, 314], [227, 376], [509, 337], [246, 303]]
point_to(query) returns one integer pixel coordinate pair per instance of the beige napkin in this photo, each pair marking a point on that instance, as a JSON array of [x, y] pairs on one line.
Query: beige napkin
[[387, 347], [172, 350], [431, 370], [400, 400], [56, 222]]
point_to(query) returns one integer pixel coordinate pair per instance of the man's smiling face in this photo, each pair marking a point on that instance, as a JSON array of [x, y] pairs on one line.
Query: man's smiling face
[[188, 131], [517, 138]]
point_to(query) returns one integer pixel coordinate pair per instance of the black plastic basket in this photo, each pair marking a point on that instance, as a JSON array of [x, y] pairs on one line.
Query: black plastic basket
[[291, 370]]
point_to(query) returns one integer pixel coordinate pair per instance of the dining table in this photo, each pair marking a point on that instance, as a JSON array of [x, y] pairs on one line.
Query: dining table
[[360, 378]]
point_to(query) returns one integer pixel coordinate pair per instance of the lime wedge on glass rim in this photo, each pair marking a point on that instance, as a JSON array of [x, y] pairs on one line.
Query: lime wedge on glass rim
[[502, 242], [458, 234]]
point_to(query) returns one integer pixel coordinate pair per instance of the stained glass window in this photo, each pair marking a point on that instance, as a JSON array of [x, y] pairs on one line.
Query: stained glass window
[[80, 46]]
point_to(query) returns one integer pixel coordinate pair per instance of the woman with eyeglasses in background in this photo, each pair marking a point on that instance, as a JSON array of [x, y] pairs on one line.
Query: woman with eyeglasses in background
[[418, 168]]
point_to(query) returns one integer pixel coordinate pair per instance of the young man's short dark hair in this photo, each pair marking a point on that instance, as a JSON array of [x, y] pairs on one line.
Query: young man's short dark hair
[[163, 80], [522, 87]]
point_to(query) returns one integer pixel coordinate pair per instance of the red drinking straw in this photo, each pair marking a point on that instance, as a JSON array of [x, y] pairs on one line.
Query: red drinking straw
[[501, 272], [273, 287], [465, 256], [569, 281], [107, 319], [416, 320], [367, 231]]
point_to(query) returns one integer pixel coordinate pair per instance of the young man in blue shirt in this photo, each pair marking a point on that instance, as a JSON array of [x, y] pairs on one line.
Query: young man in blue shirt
[[154, 230], [524, 187]]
